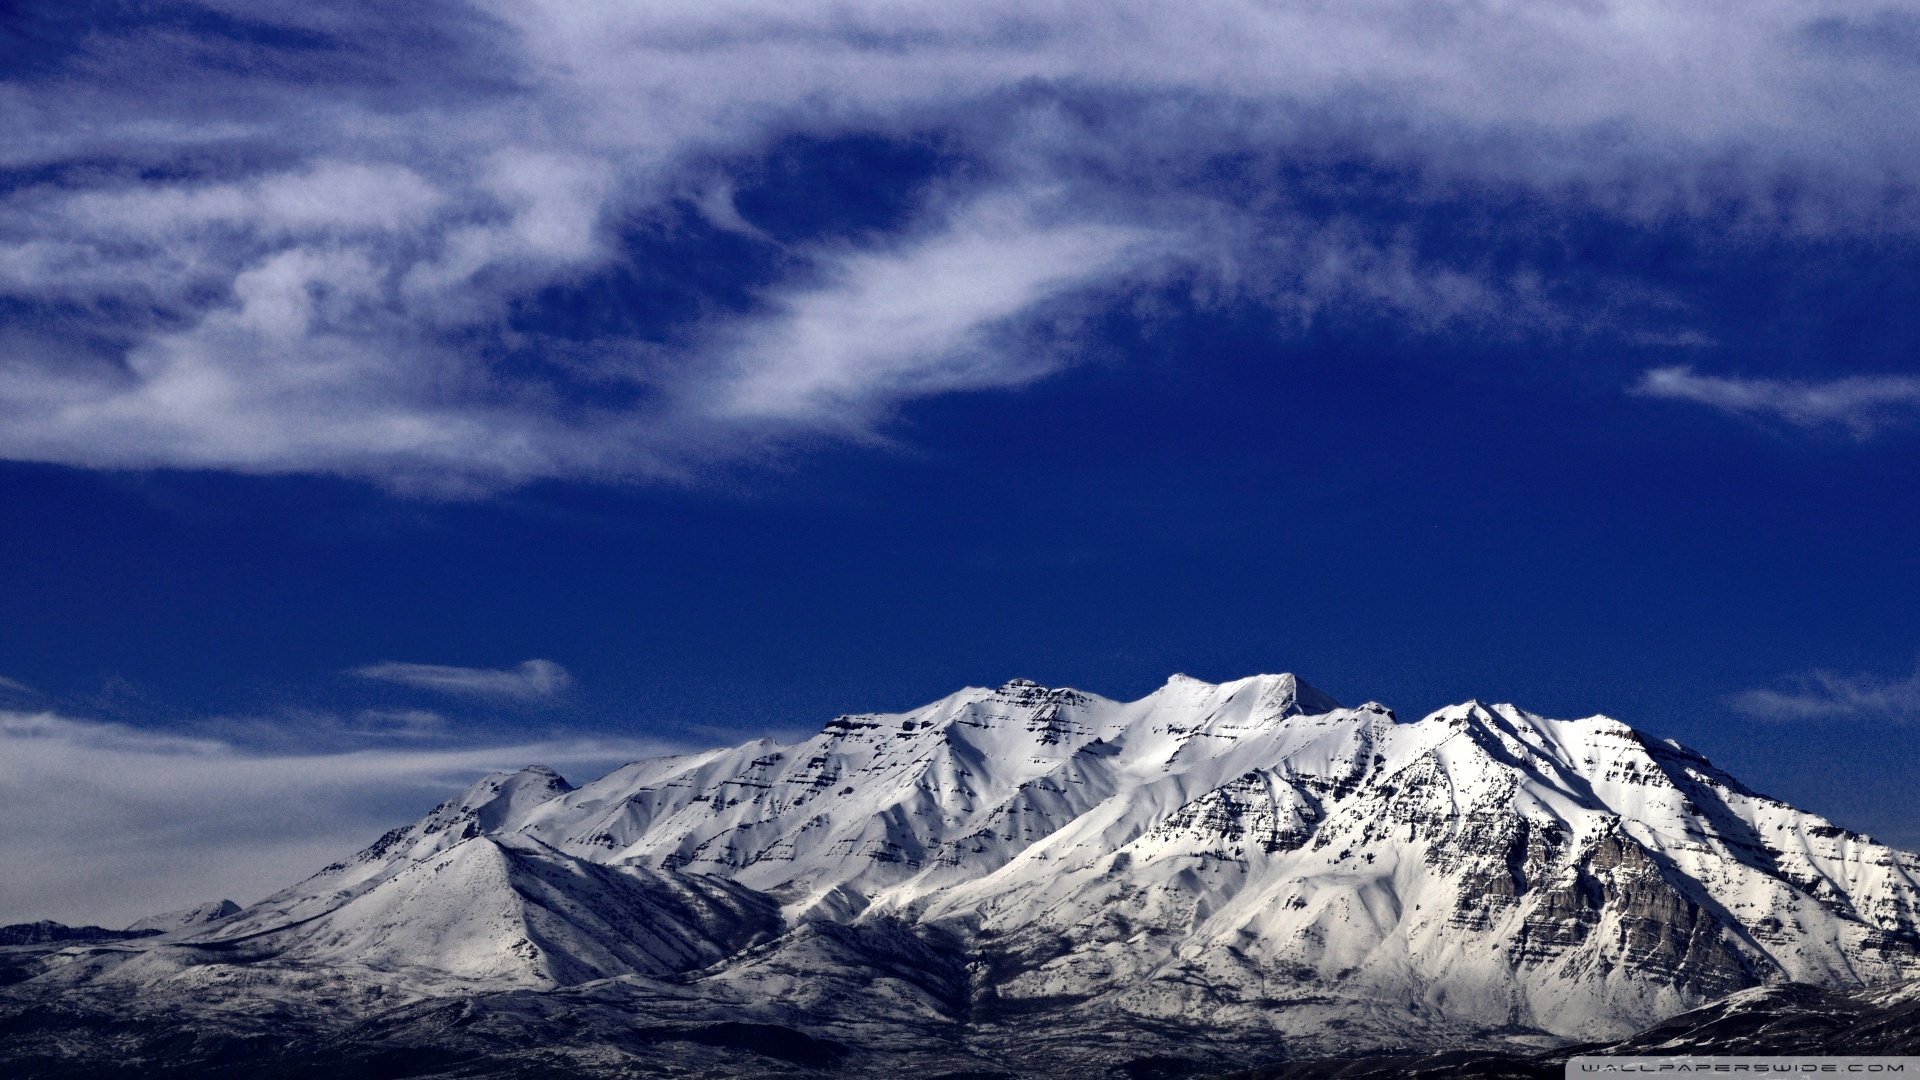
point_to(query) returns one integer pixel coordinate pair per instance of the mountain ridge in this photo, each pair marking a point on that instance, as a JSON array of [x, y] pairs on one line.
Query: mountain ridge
[[1248, 862]]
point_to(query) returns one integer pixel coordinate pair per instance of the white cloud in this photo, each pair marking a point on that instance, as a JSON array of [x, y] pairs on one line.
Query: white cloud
[[397, 723], [1863, 404], [1826, 695], [117, 822], [883, 326], [530, 680], [343, 197], [319, 270]]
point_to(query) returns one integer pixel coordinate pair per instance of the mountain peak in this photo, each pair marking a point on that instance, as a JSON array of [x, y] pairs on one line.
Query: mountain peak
[[500, 795], [536, 778], [1309, 699], [186, 918], [1026, 692], [1288, 692]]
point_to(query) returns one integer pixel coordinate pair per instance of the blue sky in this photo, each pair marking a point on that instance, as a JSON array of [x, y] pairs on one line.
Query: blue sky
[[389, 396]]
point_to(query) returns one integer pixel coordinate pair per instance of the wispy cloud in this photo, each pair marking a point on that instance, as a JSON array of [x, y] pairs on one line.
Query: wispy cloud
[[397, 724], [1862, 404], [884, 326], [118, 821], [272, 241], [533, 679], [1826, 695]]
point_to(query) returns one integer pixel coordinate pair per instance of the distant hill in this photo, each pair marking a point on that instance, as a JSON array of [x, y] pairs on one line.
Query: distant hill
[[47, 931]]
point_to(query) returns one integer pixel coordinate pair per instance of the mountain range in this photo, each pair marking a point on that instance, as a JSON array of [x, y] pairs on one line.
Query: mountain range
[[1014, 881]]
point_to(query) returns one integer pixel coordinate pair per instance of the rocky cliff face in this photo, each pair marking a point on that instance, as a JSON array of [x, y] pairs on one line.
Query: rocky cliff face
[[1241, 861]]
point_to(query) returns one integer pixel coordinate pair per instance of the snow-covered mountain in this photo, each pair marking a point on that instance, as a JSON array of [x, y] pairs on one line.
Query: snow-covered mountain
[[1246, 858], [169, 922]]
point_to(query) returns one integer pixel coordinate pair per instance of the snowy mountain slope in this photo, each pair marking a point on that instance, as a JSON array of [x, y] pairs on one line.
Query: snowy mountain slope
[[905, 802], [1242, 861], [1483, 864], [461, 894], [492, 802], [199, 915], [505, 910], [1463, 872]]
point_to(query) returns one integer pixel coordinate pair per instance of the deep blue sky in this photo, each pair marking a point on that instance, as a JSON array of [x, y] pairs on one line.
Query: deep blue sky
[[756, 373]]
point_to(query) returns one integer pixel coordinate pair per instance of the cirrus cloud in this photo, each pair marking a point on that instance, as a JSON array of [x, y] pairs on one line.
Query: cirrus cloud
[[1862, 404], [1827, 695], [530, 680], [887, 326], [271, 239]]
